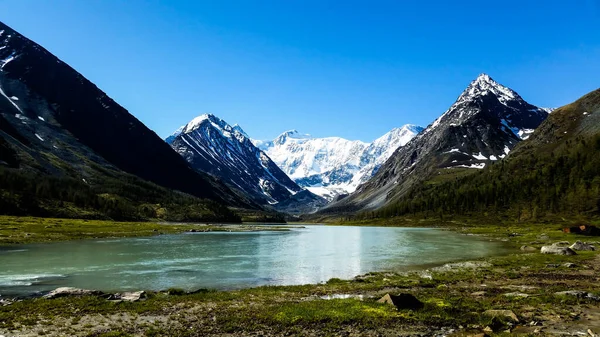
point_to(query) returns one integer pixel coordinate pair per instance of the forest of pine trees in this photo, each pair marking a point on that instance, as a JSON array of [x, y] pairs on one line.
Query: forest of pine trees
[[123, 197]]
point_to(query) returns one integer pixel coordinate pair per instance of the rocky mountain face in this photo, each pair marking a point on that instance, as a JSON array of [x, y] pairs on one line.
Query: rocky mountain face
[[333, 166], [484, 124], [53, 121], [211, 145], [552, 174]]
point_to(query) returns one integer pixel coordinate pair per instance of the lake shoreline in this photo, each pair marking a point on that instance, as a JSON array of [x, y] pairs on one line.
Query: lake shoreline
[[16, 230], [455, 300]]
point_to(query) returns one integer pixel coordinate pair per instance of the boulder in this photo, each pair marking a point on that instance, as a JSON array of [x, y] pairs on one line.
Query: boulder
[[69, 291], [508, 314], [132, 296], [582, 246], [557, 250], [402, 301]]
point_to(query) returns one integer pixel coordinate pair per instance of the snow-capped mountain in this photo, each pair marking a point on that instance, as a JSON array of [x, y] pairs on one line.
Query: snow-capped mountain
[[333, 166], [211, 145], [483, 125]]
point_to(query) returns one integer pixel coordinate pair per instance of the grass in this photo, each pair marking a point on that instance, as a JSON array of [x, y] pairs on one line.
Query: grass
[[298, 310], [22, 230]]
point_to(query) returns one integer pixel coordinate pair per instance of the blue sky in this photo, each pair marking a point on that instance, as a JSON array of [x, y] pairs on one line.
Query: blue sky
[[353, 69]]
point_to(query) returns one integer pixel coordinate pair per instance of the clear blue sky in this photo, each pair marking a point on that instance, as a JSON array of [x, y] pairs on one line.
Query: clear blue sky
[[348, 68]]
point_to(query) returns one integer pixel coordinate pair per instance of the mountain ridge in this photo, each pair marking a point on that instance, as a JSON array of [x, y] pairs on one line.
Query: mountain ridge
[[483, 125], [56, 123], [213, 146], [554, 173]]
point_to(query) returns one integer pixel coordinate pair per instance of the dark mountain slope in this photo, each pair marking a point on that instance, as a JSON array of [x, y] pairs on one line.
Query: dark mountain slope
[[484, 124], [554, 172], [53, 98]]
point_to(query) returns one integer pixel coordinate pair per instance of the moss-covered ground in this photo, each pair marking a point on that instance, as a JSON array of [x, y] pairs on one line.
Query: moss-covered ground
[[22, 230]]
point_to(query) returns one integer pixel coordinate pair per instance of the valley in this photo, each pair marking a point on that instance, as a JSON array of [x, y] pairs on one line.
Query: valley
[[471, 220]]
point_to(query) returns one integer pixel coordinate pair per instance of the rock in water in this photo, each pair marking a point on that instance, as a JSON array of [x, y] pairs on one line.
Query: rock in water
[[69, 291], [402, 301], [557, 250], [582, 246]]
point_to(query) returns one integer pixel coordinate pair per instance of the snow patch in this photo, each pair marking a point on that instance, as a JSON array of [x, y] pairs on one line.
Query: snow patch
[[475, 166], [41, 118], [10, 100], [7, 60], [479, 156], [39, 137]]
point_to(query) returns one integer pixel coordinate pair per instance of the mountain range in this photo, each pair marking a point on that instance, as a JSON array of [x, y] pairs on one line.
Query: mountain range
[[69, 150], [333, 166]]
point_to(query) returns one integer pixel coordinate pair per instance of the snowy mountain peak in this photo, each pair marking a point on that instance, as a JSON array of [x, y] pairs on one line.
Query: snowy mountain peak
[[410, 128], [213, 146], [177, 132], [290, 134], [197, 121], [331, 166], [484, 85], [477, 91], [237, 128]]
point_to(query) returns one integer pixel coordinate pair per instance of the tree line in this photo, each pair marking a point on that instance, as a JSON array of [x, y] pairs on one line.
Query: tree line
[[564, 181]]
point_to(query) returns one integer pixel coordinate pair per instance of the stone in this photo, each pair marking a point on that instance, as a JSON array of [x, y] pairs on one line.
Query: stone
[[526, 248], [578, 294], [132, 296], [478, 293], [575, 293], [556, 250], [5, 302], [402, 301], [569, 265], [502, 314], [70, 291], [544, 237], [582, 246], [516, 294]]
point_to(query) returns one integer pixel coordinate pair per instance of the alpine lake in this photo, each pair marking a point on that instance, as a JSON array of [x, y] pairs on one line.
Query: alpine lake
[[231, 260]]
